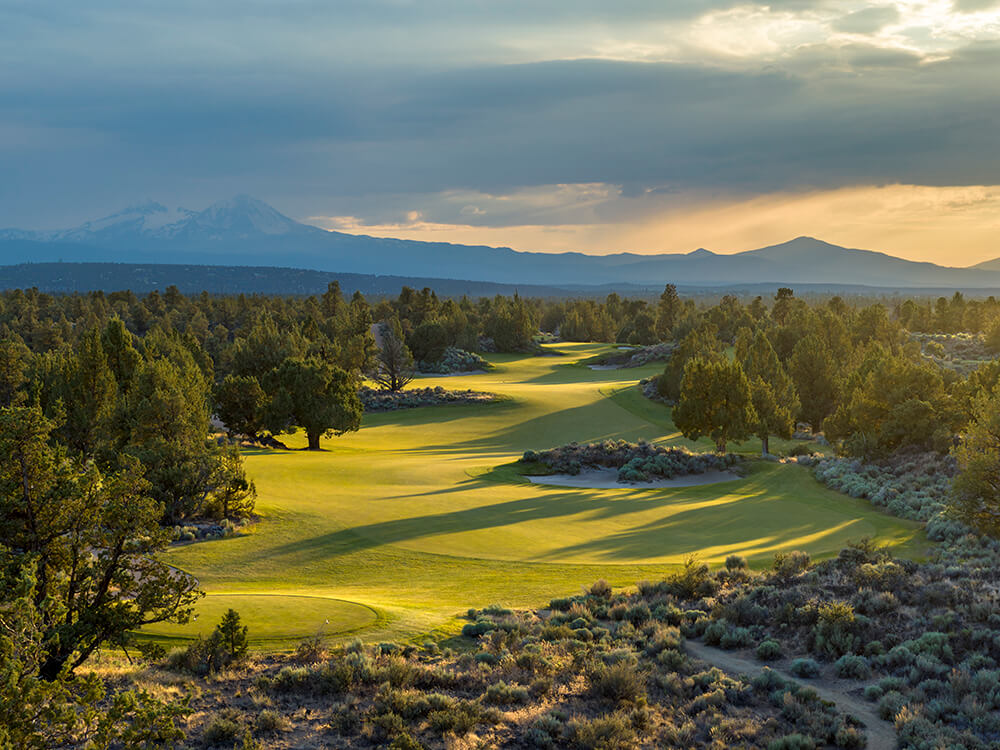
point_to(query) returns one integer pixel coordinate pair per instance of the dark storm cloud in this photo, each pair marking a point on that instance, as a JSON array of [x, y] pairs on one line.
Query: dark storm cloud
[[207, 113]]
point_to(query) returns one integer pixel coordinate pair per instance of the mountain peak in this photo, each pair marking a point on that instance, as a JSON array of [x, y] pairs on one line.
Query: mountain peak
[[701, 253], [244, 215], [144, 207]]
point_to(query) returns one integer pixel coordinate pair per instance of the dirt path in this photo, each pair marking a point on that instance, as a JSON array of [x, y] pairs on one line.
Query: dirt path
[[881, 734]]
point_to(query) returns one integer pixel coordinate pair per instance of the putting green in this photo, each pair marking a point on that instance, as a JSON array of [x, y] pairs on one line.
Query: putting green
[[275, 617], [420, 516]]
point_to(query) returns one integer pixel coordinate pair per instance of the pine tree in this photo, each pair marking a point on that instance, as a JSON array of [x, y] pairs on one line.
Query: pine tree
[[975, 496], [233, 635], [772, 391], [667, 311], [814, 373]]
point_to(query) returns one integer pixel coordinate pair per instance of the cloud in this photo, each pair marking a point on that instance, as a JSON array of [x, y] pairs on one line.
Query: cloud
[[974, 6], [326, 108], [867, 21], [951, 225]]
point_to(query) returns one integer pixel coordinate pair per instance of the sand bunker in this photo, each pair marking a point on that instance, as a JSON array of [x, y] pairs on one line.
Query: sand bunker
[[607, 479], [604, 367]]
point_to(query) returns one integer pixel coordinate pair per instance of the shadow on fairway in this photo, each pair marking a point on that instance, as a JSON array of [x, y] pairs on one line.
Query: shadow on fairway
[[750, 520], [547, 431]]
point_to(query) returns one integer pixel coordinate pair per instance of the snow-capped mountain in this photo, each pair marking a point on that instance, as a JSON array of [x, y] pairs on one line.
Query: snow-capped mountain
[[237, 218]]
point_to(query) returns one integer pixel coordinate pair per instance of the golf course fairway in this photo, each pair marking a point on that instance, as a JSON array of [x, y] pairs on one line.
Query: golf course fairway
[[393, 532]]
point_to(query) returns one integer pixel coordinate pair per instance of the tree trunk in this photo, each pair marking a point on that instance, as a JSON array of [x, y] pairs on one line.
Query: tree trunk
[[763, 446], [720, 446], [313, 441], [52, 666]]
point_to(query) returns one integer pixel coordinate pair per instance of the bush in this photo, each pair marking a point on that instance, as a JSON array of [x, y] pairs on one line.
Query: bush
[[891, 704], [736, 637], [636, 462], [769, 650], [612, 732], [269, 721], [793, 742], [618, 683], [692, 581], [405, 742], [804, 668], [834, 631], [223, 728], [736, 562], [226, 644], [852, 667], [788, 565], [601, 589], [502, 694]]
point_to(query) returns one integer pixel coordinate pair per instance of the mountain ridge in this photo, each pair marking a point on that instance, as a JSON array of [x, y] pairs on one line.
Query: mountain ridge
[[244, 231]]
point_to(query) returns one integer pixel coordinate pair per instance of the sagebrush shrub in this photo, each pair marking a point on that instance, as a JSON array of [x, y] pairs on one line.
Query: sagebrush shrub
[[851, 666], [804, 668], [769, 650]]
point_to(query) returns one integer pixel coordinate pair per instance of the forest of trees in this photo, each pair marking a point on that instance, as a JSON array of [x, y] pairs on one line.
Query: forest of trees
[[106, 402]]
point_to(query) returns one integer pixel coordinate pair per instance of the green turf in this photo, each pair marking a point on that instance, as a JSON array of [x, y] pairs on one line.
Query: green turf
[[274, 617], [411, 516]]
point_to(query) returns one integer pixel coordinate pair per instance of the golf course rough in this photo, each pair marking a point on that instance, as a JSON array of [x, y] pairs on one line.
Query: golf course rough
[[422, 514]]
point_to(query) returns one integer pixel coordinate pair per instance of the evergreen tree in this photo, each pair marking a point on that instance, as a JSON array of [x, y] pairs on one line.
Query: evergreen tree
[[90, 538], [715, 401], [814, 373], [14, 357], [394, 364], [771, 391], [975, 497], [233, 634], [701, 342], [318, 397], [87, 392], [239, 403], [667, 311]]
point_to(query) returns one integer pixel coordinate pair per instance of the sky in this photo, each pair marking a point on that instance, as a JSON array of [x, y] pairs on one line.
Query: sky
[[640, 125]]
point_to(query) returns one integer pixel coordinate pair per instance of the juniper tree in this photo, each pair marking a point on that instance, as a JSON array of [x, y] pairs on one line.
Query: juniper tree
[[90, 538], [319, 397], [715, 402], [772, 391]]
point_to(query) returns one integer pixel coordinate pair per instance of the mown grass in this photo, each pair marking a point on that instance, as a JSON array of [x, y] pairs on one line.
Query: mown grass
[[411, 516]]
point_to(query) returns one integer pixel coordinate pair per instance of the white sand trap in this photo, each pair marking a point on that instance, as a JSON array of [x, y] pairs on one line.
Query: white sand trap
[[607, 479]]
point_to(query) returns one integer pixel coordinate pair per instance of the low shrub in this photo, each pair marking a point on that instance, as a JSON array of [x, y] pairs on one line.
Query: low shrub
[[269, 722], [600, 589], [890, 704], [769, 650], [502, 694], [223, 728], [793, 742], [612, 732], [736, 562], [852, 667], [804, 668], [788, 565], [635, 462], [618, 683]]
